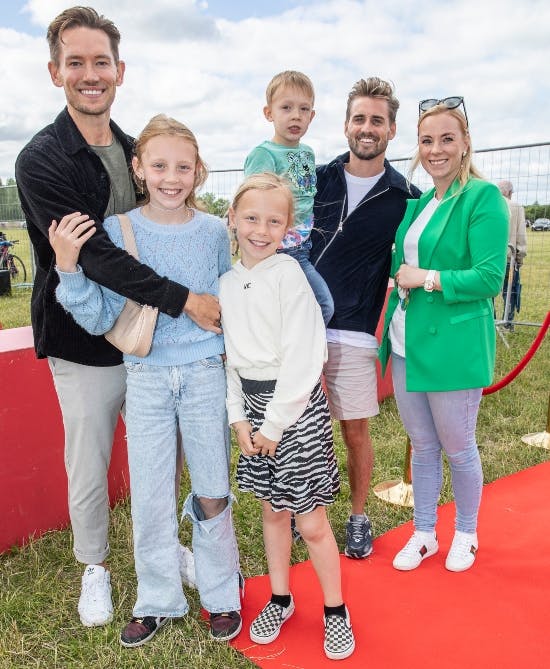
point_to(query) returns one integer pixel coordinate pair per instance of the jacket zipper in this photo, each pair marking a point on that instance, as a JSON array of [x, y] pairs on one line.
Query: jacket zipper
[[343, 220]]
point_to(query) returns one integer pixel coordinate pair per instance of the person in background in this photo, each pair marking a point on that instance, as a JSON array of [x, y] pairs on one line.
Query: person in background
[[289, 106], [81, 163], [448, 264], [359, 203], [276, 346], [180, 384], [517, 250]]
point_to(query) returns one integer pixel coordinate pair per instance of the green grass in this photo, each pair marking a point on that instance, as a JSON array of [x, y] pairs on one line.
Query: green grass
[[39, 584], [15, 308]]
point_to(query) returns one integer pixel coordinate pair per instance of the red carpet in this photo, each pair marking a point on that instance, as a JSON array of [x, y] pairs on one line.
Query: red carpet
[[496, 615]]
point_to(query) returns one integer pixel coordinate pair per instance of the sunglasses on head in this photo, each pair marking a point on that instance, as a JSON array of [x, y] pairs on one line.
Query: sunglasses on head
[[451, 103]]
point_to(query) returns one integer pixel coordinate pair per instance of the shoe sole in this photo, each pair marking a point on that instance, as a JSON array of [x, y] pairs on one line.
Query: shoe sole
[[231, 636], [93, 623], [410, 568], [358, 557], [128, 644], [264, 639], [342, 655]]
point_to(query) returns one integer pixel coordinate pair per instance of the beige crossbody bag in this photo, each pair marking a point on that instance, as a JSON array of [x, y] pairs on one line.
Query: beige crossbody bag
[[133, 330]]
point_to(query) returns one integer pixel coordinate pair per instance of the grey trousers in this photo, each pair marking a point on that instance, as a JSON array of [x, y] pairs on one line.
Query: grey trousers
[[91, 399]]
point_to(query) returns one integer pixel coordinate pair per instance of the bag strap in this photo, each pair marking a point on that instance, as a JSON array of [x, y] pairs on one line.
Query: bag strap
[[128, 235]]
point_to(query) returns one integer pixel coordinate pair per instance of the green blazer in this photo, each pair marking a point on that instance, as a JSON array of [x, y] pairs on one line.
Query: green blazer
[[450, 334]]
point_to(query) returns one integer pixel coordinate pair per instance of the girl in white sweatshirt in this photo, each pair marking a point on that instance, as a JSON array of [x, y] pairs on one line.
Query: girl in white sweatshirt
[[276, 346]]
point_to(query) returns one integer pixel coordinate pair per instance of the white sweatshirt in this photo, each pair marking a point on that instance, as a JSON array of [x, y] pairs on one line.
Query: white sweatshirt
[[273, 329]]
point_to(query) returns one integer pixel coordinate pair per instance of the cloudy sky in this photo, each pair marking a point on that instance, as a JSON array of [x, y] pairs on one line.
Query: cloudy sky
[[207, 64]]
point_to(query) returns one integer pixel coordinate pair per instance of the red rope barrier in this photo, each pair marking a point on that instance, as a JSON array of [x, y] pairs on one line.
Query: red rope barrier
[[523, 362]]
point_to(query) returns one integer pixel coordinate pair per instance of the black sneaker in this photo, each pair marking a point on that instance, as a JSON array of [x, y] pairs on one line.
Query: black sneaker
[[141, 630], [358, 537], [225, 626]]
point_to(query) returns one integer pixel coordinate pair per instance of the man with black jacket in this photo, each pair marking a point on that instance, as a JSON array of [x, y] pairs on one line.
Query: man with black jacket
[[81, 163], [359, 204]]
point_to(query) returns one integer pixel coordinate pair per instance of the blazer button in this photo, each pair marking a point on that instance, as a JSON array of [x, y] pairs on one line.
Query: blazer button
[[432, 329], [430, 299]]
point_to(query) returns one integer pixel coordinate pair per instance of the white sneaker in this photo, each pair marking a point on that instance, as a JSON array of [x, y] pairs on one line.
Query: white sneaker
[[186, 561], [462, 553], [420, 546], [95, 606]]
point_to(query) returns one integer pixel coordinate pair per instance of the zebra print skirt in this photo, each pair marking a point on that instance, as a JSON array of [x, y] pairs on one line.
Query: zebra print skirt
[[304, 472]]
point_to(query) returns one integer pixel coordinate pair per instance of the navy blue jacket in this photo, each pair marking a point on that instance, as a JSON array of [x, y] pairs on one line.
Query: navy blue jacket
[[57, 173], [353, 253]]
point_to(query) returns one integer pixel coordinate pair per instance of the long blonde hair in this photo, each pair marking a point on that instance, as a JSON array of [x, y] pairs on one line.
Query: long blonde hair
[[164, 125], [467, 167]]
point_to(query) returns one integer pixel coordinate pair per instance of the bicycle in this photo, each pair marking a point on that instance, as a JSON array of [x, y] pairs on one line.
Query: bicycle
[[10, 261]]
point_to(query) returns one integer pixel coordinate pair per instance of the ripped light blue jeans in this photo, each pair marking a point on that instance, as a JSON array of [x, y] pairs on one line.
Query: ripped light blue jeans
[[438, 422], [158, 400]]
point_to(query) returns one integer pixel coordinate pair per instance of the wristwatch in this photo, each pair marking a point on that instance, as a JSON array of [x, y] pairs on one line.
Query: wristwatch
[[429, 281]]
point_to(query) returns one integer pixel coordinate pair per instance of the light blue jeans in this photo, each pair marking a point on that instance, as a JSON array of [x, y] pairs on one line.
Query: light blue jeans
[[437, 422], [158, 400], [315, 280]]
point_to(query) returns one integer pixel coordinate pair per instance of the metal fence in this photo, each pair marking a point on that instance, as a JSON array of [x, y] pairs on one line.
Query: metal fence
[[526, 166]]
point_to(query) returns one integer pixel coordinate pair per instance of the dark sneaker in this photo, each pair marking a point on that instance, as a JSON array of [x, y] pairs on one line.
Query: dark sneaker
[[141, 630], [358, 537], [266, 626], [225, 626], [296, 536], [339, 639]]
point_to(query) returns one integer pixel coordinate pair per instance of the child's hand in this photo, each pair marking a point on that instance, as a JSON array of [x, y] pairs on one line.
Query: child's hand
[[264, 445], [68, 237], [243, 431]]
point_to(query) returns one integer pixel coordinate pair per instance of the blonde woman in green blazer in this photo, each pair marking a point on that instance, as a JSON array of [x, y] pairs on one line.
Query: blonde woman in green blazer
[[448, 263]]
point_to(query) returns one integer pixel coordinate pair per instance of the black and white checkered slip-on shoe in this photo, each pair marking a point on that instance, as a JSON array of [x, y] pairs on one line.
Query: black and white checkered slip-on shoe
[[339, 639], [266, 626]]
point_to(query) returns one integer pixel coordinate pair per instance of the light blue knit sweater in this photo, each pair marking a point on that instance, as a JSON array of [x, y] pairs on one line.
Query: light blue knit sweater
[[194, 254]]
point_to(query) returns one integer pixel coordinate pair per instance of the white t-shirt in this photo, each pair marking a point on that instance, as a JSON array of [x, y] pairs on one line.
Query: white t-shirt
[[410, 250], [357, 189]]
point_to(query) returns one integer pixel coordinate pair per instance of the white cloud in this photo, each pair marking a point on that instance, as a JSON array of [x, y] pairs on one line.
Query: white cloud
[[212, 74]]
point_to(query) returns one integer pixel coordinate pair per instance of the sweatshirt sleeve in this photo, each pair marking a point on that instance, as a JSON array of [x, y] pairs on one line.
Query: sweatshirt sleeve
[[94, 308], [303, 353], [235, 403]]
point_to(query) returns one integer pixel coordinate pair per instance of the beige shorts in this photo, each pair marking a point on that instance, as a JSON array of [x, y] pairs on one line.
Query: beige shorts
[[350, 378]]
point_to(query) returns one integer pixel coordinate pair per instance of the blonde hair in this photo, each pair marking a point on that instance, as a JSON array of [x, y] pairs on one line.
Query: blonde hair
[[266, 181], [289, 79], [467, 168], [164, 125]]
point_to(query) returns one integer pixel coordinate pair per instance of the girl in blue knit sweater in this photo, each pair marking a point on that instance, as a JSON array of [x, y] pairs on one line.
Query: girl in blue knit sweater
[[180, 384]]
